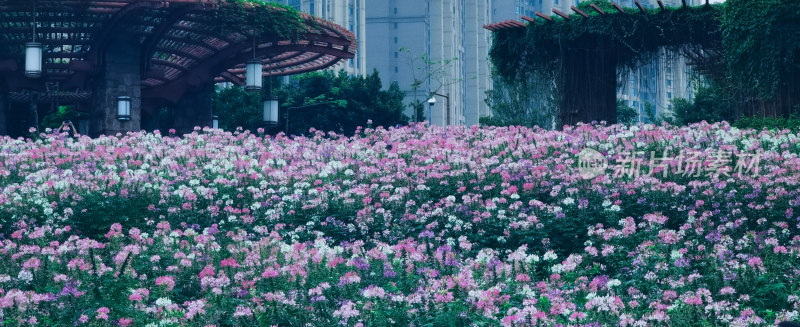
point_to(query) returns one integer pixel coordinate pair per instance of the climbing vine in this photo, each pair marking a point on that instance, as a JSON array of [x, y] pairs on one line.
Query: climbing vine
[[270, 20], [761, 39], [637, 36], [755, 43]]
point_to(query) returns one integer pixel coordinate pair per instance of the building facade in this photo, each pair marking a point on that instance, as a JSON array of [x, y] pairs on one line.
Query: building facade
[[350, 14], [450, 34]]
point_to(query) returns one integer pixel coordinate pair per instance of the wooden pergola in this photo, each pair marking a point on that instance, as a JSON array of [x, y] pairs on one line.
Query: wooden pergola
[[589, 61], [169, 50]]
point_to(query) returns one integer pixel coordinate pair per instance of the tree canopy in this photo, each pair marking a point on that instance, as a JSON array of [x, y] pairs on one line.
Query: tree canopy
[[322, 100]]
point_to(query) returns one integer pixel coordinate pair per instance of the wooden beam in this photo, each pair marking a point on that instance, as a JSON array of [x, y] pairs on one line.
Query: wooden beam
[[563, 15], [233, 78], [661, 5], [545, 17], [641, 8], [150, 44], [597, 9], [528, 19], [621, 11], [579, 12]]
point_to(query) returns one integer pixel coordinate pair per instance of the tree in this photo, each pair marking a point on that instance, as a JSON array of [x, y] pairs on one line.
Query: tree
[[425, 70], [625, 114], [711, 104], [323, 100]]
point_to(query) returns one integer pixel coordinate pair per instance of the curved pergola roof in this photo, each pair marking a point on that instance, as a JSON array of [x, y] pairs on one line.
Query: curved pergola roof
[[178, 38]]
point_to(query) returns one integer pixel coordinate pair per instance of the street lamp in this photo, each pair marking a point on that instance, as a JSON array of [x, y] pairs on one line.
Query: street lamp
[[432, 101], [124, 108], [271, 111], [214, 121]]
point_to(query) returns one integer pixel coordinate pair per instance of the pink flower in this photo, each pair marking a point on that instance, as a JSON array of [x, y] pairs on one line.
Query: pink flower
[[167, 281], [242, 311], [270, 273], [125, 322], [229, 262], [32, 263], [102, 313]]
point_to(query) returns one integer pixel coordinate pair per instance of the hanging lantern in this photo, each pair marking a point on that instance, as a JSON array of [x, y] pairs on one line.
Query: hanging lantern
[[124, 108], [271, 111], [215, 122], [254, 75], [33, 59]]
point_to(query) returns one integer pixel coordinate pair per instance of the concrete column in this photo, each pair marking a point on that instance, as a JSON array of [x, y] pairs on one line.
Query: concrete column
[[194, 109], [120, 76]]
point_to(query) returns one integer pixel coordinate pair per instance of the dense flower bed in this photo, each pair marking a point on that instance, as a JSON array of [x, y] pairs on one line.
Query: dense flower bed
[[411, 226]]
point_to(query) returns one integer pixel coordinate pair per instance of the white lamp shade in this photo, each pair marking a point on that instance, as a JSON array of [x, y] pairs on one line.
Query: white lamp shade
[[254, 75], [432, 101], [214, 121], [124, 108], [271, 111], [33, 59]]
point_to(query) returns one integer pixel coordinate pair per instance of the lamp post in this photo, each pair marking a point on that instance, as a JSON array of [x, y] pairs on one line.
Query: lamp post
[[431, 103], [446, 97]]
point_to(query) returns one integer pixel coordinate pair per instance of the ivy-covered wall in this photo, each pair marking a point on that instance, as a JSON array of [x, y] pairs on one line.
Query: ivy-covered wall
[[757, 40]]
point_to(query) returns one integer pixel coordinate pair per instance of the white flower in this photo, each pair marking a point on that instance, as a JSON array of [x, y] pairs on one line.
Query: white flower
[[550, 255], [25, 275], [163, 302]]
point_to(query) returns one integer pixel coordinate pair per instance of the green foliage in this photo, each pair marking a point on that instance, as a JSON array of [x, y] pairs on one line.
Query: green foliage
[[761, 41], [625, 114], [62, 114], [268, 20], [329, 101], [710, 104], [527, 102], [636, 36], [236, 107], [770, 123]]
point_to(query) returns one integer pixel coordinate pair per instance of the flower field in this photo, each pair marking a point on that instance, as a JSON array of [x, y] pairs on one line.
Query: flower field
[[411, 226]]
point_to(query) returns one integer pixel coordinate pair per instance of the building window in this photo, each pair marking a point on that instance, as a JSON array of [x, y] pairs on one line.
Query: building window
[[395, 40], [395, 69], [395, 25], [395, 54], [669, 95], [669, 82], [395, 11]]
